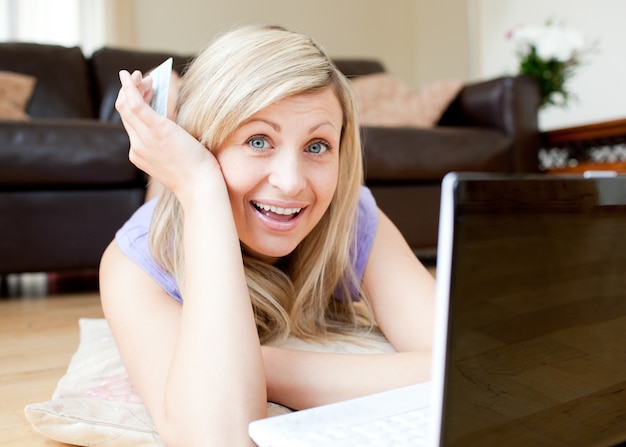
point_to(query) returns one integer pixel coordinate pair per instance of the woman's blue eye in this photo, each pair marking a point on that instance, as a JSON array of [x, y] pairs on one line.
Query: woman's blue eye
[[257, 142], [318, 147]]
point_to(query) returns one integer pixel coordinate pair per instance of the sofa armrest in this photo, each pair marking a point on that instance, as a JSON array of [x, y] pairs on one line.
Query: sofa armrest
[[60, 153], [509, 104]]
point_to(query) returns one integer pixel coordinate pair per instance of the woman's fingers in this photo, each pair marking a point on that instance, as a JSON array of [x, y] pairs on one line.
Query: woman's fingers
[[133, 93], [137, 116], [144, 85], [137, 77]]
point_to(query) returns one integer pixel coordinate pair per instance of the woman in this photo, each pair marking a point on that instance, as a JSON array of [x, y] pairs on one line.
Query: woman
[[263, 231]]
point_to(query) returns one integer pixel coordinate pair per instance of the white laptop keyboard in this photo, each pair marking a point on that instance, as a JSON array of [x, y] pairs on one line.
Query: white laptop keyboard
[[407, 429], [395, 418]]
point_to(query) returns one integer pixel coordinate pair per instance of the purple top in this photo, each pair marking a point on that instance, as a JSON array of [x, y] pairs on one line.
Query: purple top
[[132, 239]]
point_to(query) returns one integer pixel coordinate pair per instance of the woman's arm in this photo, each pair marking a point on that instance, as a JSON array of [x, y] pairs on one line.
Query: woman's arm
[[402, 293], [197, 367]]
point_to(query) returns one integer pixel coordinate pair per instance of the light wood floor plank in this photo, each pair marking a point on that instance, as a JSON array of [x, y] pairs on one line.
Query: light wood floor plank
[[37, 339]]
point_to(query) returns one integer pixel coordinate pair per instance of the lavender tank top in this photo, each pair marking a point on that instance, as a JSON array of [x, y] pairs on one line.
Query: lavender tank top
[[132, 239]]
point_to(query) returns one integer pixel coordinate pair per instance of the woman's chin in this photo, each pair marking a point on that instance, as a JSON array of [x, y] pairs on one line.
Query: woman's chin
[[270, 256]]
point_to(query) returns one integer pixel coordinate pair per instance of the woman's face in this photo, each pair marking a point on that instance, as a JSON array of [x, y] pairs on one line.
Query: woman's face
[[281, 169]]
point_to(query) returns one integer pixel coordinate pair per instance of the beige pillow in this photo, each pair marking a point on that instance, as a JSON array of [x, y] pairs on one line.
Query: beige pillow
[[15, 92], [386, 101], [72, 417]]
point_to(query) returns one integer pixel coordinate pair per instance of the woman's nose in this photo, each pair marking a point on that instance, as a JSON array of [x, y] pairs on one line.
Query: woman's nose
[[288, 172]]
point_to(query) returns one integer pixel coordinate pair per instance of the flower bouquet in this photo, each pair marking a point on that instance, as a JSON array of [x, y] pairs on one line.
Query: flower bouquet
[[550, 54]]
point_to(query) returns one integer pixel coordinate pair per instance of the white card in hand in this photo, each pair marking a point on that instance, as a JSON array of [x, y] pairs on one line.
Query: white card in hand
[[160, 84]]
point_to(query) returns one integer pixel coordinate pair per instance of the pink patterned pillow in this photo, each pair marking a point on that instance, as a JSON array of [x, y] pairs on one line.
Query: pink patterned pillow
[[388, 102], [15, 91]]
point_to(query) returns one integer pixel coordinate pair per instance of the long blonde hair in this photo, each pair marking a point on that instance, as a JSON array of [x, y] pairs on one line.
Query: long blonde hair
[[241, 73]]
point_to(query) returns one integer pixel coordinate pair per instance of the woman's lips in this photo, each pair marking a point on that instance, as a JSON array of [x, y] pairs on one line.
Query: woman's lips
[[276, 217]]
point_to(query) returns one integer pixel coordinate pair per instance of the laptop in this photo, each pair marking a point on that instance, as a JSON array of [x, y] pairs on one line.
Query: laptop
[[530, 333]]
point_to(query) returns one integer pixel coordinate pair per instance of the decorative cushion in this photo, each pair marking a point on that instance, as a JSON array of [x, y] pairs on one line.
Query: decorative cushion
[[74, 418], [15, 91], [386, 101], [63, 89]]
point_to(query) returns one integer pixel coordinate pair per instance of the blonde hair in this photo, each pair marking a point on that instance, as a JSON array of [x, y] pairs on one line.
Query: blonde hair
[[241, 73]]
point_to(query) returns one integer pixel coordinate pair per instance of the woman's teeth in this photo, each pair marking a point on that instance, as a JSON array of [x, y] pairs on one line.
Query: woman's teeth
[[276, 209]]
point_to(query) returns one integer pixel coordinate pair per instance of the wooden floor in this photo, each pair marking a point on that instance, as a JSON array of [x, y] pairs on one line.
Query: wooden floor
[[38, 336], [37, 339]]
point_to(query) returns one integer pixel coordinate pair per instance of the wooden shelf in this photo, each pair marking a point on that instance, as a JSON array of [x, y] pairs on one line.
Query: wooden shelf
[[578, 147], [611, 130], [618, 167]]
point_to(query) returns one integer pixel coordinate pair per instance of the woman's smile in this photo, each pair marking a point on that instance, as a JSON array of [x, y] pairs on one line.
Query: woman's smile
[[275, 212], [277, 218]]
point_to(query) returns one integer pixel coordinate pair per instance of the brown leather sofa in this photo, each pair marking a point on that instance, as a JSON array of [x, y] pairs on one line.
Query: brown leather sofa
[[66, 184], [491, 126]]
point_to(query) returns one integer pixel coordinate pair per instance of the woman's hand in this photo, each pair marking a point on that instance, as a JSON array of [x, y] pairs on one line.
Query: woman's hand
[[158, 146]]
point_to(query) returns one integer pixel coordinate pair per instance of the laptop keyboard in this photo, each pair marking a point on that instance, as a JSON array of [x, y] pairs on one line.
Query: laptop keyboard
[[406, 429], [394, 418]]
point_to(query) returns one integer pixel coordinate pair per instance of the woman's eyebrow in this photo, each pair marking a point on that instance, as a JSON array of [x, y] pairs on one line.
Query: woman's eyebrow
[[272, 124], [277, 127], [323, 123]]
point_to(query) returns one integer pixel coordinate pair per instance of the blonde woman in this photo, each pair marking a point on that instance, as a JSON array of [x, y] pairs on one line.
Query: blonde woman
[[263, 231]]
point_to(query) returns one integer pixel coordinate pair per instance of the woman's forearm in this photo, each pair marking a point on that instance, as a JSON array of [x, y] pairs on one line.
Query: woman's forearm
[[301, 379], [217, 363]]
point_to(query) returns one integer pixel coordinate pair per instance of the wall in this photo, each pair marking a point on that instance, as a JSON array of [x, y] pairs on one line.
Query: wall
[[599, 85], [348, 28], [442, 44], [419, 41]]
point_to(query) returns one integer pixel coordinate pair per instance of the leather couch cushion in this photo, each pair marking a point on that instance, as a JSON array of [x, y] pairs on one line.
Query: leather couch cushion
[[48, 230], [408, 154], [62, 88], [63, 153], [107, 63]]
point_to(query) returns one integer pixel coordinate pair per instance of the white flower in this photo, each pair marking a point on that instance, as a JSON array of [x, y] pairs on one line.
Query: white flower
[[558, 98], [550, 42]]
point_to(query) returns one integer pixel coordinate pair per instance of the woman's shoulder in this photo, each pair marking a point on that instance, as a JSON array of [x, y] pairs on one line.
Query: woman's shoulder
[[367, 218], [133, 240], [367, 202], [134, 233], [139, 221], [367, 224]]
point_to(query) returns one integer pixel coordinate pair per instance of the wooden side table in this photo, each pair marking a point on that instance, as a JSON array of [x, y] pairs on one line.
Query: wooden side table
[[598, 146], [618, 167]]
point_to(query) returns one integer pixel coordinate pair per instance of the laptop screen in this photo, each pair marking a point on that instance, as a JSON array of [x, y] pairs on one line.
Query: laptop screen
[[537, 312]]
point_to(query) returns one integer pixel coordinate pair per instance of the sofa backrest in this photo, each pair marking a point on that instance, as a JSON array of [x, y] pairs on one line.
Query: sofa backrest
[[62, 88], [358, 67], [106, 64], [68, 85]]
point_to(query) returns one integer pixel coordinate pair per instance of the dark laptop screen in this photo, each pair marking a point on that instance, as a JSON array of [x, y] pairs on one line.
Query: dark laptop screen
[[537, 313]]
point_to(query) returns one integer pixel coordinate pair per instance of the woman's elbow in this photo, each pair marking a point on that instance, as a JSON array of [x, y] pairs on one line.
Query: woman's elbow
[[228, 428]]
